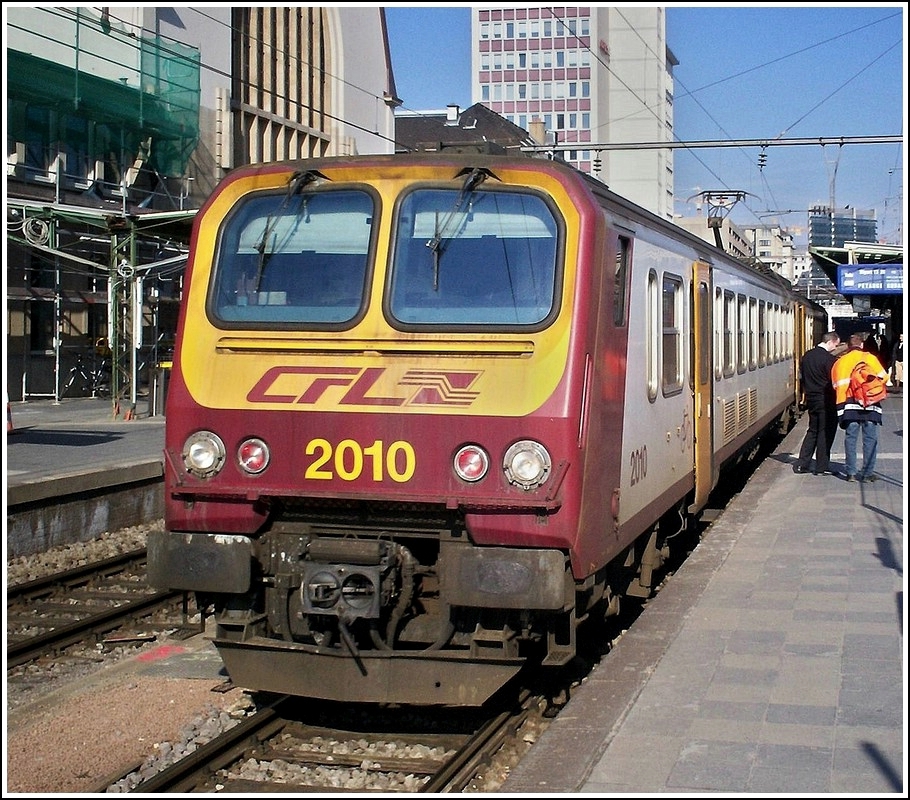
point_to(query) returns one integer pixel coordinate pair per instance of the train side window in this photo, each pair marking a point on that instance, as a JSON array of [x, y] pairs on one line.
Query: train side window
[[671, 334], [772, 334], [789, 332], [742, 322], [753, 333], [729, 325], [771, 326], [762, 334], [652, 336], [704, 333], [778, 332], [620, 276], [718, 333]]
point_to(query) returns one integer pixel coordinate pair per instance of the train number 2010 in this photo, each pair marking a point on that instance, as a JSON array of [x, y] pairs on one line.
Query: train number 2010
[[349, 459], [638, 461]]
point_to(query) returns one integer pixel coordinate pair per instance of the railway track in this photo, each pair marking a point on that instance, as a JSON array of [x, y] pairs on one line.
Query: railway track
[[83, 604], [278, 749]]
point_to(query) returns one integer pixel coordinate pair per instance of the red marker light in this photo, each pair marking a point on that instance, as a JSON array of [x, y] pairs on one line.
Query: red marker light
[[471, 463], [253, 456]]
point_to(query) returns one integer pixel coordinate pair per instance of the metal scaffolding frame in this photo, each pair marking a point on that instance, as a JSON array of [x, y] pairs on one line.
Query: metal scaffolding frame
[[122, 273]]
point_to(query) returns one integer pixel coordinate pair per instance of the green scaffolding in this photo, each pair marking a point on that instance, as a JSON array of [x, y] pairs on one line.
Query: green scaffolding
[[152, 110]]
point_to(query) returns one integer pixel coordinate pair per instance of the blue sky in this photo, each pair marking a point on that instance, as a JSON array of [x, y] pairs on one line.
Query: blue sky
[[744, 72]]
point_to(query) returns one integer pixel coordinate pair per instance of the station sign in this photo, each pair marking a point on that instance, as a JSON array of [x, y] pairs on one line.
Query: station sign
[[870, 279]]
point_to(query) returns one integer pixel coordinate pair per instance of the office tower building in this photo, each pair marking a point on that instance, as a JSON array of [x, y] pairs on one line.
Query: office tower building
[[586, 76]]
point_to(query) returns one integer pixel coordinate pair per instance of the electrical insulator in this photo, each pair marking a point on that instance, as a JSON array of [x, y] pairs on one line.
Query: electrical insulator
[[762, 160]]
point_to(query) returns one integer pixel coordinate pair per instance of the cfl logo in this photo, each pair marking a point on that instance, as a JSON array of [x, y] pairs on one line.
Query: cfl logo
[[312, 385]]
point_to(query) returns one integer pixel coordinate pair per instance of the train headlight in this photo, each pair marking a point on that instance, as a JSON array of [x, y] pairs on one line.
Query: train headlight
[[203, 454], [253, 456], [527, 464], [471, 463]]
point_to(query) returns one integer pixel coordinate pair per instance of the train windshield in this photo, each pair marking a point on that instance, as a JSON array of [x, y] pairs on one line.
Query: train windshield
[[294, 258], [480, 258]]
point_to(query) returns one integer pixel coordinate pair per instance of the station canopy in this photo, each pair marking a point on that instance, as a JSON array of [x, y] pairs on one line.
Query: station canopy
[[864, 256]]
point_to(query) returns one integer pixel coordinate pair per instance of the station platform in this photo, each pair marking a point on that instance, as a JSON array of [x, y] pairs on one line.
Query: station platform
[[772, 662], [59, 447]]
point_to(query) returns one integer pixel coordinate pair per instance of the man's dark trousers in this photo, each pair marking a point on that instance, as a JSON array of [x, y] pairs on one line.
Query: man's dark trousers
[[820, 435]]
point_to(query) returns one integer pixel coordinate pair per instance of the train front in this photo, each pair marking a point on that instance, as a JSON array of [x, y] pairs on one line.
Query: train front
[[372, 422]]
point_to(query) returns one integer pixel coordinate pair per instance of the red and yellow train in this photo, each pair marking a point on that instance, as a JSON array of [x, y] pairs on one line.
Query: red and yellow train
[[430, 411]]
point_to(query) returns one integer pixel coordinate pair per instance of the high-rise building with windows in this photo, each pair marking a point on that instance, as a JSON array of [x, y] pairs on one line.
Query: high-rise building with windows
[[592, 75], [830, 227]]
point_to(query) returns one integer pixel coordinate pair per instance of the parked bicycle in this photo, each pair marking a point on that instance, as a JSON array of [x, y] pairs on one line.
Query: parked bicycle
[[92, 379]]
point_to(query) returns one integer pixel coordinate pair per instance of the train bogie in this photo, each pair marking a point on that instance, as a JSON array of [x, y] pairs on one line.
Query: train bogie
[[429, 412]]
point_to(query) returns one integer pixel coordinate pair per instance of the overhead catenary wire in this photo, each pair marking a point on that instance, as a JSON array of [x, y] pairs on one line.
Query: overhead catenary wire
[[691, 93]]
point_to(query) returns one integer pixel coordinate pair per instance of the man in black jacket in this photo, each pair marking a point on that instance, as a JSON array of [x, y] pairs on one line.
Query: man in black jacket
[[818, 391]]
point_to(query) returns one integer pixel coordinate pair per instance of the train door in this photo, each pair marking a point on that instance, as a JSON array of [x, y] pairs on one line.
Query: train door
[[703, 380], [808, 333]]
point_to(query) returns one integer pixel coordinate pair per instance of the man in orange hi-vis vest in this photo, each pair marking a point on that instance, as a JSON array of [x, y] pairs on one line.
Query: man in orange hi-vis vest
[[853, 417]]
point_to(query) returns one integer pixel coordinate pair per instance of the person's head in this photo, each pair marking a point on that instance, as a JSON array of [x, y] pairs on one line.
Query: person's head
[[857, 339], [830, 340]]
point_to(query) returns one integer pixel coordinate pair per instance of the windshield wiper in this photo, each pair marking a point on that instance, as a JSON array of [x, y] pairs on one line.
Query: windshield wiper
[[477, 176], [296, 183]]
